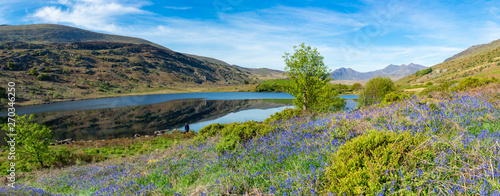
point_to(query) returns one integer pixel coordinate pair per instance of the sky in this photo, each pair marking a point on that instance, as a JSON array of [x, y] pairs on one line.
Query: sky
[[364, 35]]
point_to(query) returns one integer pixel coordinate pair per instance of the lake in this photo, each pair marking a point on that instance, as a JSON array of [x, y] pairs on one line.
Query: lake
[[125, 116]]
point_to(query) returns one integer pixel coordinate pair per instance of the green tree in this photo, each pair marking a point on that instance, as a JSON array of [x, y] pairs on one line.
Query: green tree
[[375, 90], [356, 86], [310, 77], [32, 140]]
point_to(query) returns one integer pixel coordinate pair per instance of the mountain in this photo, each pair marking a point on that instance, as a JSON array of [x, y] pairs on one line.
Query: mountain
[[54, 63], [477, 61], [476, 49], [52, 33], [392, 71]]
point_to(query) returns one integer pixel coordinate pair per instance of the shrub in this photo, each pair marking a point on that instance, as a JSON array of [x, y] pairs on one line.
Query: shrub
[[393, 97], [233, 134], [423, 72], [473, 82], [43, 77], [363, 165], [285, 114], [33, 72], [375, 90], [356, 86], [211, 129]]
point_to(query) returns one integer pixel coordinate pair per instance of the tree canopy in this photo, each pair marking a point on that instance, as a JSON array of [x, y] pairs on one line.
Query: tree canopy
[[310, 78], [375, 90]]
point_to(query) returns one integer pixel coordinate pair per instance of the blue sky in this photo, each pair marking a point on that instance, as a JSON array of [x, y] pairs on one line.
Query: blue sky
[[363, 35]]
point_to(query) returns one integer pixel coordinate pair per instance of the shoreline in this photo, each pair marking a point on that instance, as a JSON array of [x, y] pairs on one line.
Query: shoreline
[[202, 89]]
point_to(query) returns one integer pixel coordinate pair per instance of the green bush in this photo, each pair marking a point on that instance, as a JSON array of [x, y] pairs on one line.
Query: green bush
[[233, 134], [43, 77], [394, 97], [211, 130], [363, 165], [33, 72], [423, 72], [375, 91], [356, 86], [246, 130], [473, 82], [285, 114]]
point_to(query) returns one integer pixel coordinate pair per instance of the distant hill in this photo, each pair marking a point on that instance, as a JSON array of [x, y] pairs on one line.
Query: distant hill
[[476, 49], [60, 63], [263, 73], [53, 33], [478, 61], [392, 71], [68, 71]]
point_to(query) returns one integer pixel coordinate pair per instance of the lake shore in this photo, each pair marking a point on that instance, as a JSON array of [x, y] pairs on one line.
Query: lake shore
[[154, 91]]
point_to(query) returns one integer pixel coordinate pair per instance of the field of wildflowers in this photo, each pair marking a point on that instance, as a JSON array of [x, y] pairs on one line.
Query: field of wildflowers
[[463, 140]]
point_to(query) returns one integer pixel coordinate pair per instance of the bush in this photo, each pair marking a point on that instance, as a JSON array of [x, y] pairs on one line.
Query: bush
[[233, 134], [356, 86], [363, 165], [423, 72], [286, 114], [394, 97], [43, 77], [375, 90], [33, 72], [473, 82], [211, 129]]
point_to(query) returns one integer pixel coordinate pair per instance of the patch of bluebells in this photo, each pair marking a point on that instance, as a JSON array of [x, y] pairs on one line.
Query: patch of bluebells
[[292, 160]]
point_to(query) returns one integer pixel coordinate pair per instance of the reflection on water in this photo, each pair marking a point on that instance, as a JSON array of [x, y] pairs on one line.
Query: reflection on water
[[127, 121], [145, 119]]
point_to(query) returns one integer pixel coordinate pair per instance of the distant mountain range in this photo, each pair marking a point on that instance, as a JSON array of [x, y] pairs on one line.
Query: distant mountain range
[[392, 71]]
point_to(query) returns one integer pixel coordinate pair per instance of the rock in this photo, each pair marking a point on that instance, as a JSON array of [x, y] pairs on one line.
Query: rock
[[137, 135], [51, 144]]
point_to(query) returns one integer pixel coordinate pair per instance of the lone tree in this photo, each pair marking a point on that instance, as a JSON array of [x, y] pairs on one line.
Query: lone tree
[[375, 90], [310, 78], [32, 140]]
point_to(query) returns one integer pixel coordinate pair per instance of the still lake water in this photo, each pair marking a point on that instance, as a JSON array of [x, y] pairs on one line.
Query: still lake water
[[144, 114]]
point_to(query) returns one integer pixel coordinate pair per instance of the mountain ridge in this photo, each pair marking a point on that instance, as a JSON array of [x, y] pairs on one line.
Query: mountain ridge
[[392, 71]]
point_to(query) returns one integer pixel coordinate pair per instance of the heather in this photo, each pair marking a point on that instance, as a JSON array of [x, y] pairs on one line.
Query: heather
[[444, 143]]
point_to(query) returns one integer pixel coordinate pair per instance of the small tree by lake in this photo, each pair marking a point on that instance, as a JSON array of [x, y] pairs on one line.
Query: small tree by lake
[[375, 90], [310, 78], [32, 140]]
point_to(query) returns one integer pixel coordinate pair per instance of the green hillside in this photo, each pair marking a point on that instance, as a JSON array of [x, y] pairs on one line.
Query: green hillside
[[52, 33], [69, 71], [478, 61]]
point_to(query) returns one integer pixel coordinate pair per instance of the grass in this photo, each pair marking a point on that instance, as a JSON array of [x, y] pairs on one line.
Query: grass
[[463, 130]]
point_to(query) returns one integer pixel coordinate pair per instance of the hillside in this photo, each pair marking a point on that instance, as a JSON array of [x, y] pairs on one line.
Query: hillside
[[52, 33], [392, 71], [477, 61], [68, 71], [263, 73]]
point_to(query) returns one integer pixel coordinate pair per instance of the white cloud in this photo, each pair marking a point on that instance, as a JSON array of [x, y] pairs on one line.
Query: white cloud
[[92, 14]]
